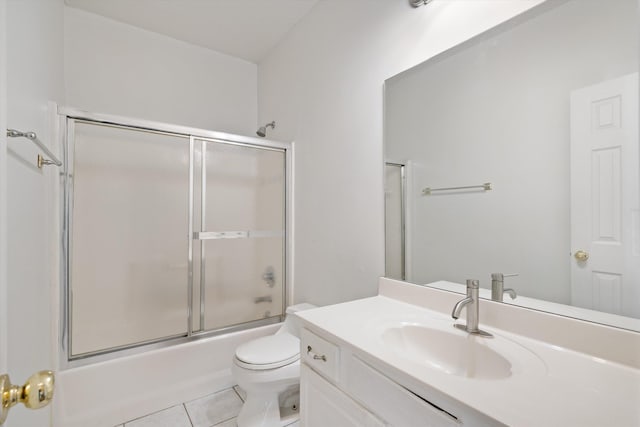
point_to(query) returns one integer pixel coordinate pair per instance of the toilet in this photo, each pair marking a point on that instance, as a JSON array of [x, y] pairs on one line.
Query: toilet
[[268, 370]]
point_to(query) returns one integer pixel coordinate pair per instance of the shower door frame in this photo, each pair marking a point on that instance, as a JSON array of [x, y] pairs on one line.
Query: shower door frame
[[405, 168], [67, 117]]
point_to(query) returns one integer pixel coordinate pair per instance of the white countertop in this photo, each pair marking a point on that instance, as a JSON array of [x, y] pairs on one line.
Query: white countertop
[[553, 387]]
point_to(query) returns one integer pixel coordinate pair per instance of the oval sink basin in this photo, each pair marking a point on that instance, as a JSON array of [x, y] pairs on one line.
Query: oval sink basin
[[453, 352]]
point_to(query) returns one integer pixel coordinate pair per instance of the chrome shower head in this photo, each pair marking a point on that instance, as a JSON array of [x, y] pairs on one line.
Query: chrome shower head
[[262, 132]]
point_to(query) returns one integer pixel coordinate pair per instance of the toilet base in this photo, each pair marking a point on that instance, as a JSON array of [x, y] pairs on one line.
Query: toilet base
[[266, 391], [264, 410]]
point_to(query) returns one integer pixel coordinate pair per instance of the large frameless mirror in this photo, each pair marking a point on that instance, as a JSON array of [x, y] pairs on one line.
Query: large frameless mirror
[[521, 152]]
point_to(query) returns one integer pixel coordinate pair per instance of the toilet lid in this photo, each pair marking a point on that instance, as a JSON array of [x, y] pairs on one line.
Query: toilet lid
[[270, 352]]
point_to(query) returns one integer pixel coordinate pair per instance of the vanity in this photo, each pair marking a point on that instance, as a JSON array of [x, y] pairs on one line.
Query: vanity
[[396, 359]]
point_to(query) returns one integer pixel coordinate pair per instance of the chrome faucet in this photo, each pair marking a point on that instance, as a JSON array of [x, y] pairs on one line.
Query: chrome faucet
[[471, 302], [497, 287]]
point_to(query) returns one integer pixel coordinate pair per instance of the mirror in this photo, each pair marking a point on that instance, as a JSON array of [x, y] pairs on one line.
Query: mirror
[[539, 117]]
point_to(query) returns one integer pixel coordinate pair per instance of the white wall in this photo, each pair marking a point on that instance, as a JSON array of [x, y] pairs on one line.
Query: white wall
[[34, 31], [323, 86], [115, 68]]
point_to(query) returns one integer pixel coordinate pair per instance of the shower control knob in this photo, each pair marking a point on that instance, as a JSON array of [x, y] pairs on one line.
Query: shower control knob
[[269, 276]]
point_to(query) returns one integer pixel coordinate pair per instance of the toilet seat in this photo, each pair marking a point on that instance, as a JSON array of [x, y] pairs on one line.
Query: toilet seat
[[270, 352]]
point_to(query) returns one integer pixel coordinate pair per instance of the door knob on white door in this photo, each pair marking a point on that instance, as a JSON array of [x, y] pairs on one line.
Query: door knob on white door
[[581, 255], [36, 393]]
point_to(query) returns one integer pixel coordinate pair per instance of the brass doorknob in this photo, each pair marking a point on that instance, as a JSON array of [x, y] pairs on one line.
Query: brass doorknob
[[36, 393], [581, 255]]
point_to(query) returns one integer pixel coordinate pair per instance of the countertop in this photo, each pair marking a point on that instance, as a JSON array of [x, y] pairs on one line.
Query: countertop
[[551, 385]]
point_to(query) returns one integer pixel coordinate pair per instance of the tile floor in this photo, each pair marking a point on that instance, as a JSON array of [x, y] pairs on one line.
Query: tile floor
[[218, 409]]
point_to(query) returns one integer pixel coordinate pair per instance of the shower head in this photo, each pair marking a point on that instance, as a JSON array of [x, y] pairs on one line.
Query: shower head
[[262, 132]]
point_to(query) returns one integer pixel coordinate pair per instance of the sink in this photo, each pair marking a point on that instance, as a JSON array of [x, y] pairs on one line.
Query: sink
[[464, 355], [456, 352]]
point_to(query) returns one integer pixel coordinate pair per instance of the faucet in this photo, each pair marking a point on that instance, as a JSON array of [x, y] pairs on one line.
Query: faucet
[[471, 302], [497, 287]]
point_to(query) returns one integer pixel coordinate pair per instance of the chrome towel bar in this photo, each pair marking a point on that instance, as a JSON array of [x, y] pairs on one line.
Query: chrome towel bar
[[486, 187], [52, 160]]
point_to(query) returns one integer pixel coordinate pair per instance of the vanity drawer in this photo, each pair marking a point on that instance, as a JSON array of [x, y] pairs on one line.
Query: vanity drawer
[[322, 355], [395, 404]]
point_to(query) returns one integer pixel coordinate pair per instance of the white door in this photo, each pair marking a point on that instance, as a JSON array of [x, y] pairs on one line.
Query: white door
[[25, 276], [3, 197], [605, 221]]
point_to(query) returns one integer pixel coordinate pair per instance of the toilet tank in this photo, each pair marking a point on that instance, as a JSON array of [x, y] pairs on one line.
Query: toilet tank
[[292, 323]]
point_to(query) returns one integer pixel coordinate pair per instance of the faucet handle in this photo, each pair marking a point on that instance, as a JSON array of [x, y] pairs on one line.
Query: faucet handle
[[473, 284], [501, 276], [497, 286]]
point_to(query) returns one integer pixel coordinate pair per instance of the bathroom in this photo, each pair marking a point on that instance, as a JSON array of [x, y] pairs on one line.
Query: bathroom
[[321, 79]]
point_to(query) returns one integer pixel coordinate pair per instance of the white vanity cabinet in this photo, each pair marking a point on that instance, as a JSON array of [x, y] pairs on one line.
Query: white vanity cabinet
[[339, 389], [323, 405]]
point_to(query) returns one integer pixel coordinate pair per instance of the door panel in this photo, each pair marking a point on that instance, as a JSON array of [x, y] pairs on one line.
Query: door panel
[[30, 76], [129, 265], [242, 250], [605, 163]]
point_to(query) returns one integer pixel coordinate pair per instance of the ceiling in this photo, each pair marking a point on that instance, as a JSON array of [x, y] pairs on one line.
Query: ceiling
[[246, 29]]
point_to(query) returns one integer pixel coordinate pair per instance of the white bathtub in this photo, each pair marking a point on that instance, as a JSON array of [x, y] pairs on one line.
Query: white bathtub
[[110, 393]]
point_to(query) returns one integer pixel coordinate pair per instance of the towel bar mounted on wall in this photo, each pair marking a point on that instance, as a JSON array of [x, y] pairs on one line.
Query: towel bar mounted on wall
[[52, 160], [486, 187]]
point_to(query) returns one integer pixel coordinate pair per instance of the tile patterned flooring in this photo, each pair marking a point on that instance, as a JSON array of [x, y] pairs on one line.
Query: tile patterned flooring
[[218, 409]]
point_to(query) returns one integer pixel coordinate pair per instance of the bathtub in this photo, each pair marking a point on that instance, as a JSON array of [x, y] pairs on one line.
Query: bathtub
[[109, 393]]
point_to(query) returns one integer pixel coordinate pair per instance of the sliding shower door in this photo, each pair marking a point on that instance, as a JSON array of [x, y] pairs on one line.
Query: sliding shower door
[[168, 235], [128, 263], [241, 234]]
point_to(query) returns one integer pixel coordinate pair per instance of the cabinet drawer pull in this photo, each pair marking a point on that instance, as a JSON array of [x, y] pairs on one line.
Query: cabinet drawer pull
[[316, 356]]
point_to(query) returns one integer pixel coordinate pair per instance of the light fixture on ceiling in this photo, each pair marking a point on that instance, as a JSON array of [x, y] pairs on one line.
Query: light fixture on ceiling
[[418, 3]]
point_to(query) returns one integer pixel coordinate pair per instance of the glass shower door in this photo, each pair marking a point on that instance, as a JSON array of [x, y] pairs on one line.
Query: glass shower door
[[167, 235], [241, 233], [128, 269]]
